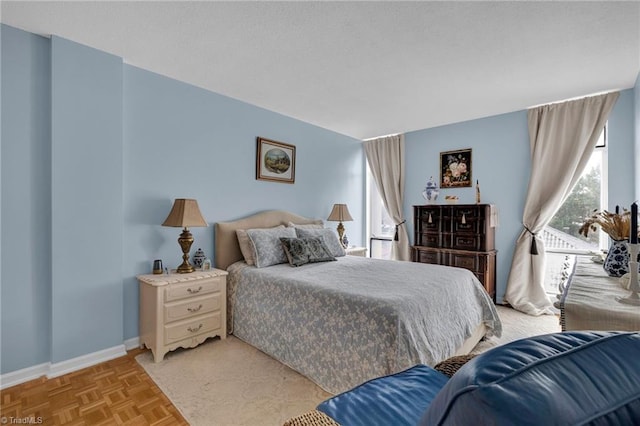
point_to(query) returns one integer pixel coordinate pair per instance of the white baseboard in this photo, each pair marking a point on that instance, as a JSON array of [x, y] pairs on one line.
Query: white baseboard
[[83, 361], [24, 375], [59, 368], [132, 343]]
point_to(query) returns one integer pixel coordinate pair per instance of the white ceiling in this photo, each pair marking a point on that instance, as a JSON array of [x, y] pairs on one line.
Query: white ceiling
[[364, 69]]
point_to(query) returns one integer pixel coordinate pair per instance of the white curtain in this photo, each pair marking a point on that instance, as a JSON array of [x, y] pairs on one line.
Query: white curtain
[[562, 138], [386, 160]]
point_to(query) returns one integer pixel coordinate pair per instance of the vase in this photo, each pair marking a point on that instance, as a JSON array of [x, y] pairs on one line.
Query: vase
[[430, 192], [616, 264], [198, 258]]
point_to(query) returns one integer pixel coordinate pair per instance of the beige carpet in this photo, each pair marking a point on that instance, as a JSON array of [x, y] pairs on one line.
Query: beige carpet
[[228, 383]]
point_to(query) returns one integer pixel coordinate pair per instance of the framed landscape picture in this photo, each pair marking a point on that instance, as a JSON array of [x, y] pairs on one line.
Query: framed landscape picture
[[275, 161], [455, 168]]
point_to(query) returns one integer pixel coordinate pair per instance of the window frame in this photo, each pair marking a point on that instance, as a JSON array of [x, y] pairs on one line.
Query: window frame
[[373, 199]]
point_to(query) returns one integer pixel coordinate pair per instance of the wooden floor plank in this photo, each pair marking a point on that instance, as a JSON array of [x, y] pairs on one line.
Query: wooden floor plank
[[116, 392]]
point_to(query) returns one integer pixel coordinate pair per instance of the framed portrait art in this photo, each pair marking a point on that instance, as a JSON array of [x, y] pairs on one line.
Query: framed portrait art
[[455, 168], [275, 161]]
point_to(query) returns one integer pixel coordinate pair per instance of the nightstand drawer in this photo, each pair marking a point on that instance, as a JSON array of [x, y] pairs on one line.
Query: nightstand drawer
[[194, 288], [193, 327], [195, 306]]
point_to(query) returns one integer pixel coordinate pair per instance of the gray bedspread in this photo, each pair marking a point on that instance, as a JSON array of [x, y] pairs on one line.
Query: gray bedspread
[[344, 322]]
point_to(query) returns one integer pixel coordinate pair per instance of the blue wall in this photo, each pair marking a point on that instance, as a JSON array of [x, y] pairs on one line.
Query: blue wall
[[25, 286], [501, 162], [86, 182], [181, 141], [93, 153]]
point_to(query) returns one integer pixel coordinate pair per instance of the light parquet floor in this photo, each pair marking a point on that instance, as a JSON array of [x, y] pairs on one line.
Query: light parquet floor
[[116, 392]]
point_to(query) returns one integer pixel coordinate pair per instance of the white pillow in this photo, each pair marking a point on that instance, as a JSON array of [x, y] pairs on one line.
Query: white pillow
[[328, 235], [267, 246]]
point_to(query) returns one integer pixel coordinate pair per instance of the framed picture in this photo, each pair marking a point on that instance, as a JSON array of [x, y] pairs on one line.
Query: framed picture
[[455, 168], [275, 161]]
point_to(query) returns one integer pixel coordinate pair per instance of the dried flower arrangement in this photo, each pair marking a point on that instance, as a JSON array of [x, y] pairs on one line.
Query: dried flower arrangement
[[617, 225]]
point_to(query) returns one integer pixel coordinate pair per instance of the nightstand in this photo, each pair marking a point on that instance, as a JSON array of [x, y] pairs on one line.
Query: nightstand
[[182, 310], [356, 251]]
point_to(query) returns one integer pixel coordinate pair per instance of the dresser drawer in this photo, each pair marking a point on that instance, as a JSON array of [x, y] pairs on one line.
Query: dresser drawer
[[467, 211], [471, 226], [194, 306], [466, 261], [188, 328], [467, 242], [428, 257], [193, 288], [429, 240]]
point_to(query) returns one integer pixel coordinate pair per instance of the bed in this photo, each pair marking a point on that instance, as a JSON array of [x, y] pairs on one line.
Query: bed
[[343, 322]]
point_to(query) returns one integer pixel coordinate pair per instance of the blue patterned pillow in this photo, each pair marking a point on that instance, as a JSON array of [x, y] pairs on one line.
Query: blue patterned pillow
[[267, 247], [328, 235], [306, 250]]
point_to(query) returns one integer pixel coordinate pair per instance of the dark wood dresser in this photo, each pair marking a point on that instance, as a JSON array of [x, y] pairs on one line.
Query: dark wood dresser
[[461, 235]]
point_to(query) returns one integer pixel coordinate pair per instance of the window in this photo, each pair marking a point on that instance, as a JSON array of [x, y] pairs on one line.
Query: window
[[561, 237], [380, 227]]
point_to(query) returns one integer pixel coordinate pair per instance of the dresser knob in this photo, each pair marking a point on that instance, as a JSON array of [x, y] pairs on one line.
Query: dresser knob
[[193, 330], [191, 291], [194, 309]]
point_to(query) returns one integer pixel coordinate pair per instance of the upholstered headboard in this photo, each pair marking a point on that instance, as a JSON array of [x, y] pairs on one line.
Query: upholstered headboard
[[226, 241]]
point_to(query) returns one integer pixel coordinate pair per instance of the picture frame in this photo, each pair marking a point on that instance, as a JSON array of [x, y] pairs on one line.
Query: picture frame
[[456, 168], [275, 161]]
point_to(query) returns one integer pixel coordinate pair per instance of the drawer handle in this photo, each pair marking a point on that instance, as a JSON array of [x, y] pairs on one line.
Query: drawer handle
[[194, 329], [191, 291], [195, 309]]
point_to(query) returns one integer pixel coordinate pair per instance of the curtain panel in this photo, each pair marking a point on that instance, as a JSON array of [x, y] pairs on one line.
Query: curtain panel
[[562, 138], [385, 156]]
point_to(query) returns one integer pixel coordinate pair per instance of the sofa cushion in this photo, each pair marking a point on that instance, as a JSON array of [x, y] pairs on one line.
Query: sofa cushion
[[398, 399], [561, 378]]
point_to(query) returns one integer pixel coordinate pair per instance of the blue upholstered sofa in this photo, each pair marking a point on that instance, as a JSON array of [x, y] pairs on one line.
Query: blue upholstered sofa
[[573, 378]]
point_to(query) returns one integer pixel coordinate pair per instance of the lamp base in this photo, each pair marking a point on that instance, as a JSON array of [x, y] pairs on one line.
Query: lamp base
[[341, 234], [185, 268], [185, 240]]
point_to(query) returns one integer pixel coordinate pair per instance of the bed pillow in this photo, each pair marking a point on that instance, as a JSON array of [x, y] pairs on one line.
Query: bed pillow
[[267, 248], [306, 225], [328, 235], [246, 246], [300, 251]]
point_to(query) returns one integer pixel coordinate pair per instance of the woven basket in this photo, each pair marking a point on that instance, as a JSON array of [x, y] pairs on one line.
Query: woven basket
[[449, 366], [311, 418]]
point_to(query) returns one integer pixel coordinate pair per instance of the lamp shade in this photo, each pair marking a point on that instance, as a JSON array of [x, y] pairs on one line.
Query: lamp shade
[[340, 213], [185, 213]]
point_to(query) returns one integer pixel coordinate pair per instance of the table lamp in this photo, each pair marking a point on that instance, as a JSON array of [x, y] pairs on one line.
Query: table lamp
[[340, 213], [183, 214]]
